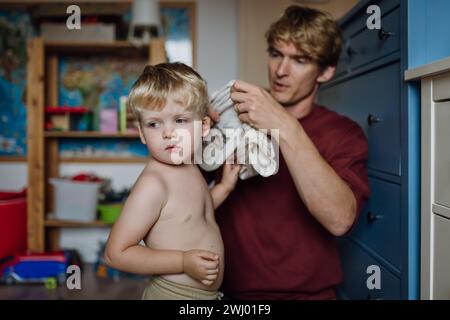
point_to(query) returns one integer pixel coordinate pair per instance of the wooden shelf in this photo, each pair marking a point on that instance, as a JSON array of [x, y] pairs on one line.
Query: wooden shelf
[[116, 48], [75, 224], [13, 159], [89, 134], [103, 160]]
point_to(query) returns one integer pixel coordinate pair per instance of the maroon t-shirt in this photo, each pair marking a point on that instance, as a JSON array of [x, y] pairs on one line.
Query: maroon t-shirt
[[274, 248]]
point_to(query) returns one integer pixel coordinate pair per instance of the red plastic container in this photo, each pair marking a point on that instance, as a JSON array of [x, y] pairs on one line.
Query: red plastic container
[[13, 223]]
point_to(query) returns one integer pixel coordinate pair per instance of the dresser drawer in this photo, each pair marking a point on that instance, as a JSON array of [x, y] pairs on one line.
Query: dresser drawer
[[441, 270], [370, 45], [441, 87], [442, 154], [373, 101], [378, 225], [355, 262]]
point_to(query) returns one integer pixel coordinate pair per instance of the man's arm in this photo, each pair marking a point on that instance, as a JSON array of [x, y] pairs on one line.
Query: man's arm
[[329, 199], [140, 213], [325, 194]]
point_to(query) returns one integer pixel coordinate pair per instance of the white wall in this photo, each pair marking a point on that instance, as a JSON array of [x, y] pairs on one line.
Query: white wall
[[13, 175], [217, 26], [217, 56]]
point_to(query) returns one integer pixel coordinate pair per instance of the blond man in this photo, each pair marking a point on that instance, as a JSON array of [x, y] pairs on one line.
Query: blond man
[[280, 232]]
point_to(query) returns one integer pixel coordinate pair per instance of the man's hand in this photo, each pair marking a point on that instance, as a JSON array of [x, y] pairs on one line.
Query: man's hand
[[201, 265], [257, 107]]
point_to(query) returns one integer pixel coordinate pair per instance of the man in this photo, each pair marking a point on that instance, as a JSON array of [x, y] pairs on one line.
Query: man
[[280, 232]]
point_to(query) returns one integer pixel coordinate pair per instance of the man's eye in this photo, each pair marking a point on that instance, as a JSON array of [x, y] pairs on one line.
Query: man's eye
[[273, 54], [300, 61]]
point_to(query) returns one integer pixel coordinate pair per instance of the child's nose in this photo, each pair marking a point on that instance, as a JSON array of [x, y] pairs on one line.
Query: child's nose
[[168, 132]]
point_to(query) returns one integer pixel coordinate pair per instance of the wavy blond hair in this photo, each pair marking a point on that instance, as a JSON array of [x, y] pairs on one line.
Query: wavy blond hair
[[313, 33], [176, 81]]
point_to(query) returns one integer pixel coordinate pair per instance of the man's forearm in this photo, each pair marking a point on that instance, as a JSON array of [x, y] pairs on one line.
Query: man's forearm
[[326, 195], [145, 261]]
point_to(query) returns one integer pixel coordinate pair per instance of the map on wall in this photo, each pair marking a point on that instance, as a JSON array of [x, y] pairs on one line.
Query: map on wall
[[98, 83], [15, 28]]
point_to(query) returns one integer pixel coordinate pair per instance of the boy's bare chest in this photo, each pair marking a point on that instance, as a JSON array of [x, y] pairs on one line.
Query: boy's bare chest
[[188, 198]]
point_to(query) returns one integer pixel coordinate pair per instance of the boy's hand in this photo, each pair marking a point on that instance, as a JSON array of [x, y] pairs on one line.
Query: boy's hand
[[201, 265], [214, 115], [230, 175]]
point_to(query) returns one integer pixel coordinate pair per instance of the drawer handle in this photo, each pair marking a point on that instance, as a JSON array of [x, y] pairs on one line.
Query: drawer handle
[[371, 119], [383, 34], [351, 52], [371, 217]]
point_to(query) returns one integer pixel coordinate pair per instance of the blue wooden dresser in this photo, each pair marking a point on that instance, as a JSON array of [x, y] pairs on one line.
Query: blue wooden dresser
[[368, 88]]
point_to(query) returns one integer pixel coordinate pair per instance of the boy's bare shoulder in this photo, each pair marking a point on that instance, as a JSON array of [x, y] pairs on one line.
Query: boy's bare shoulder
[[150, 181]]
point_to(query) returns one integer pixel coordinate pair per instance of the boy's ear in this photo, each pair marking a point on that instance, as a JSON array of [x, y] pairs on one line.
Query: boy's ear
[[141, 135], [326, 74], [206, 126]]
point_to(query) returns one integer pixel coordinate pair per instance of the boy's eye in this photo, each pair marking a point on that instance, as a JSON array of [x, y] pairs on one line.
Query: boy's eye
[[181, 120], [152, 125]]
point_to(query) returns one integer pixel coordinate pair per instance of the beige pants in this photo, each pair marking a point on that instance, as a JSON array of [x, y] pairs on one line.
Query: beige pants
[[162, 289]]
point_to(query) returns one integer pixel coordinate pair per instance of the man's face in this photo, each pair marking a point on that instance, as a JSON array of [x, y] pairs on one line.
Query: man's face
[[292, 76]]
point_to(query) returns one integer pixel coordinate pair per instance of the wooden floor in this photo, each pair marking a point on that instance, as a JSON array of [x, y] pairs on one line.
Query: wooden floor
[[92, 288]]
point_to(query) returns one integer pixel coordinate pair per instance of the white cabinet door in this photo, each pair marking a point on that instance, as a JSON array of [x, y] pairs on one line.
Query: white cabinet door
[[442, 154], [441, 265]]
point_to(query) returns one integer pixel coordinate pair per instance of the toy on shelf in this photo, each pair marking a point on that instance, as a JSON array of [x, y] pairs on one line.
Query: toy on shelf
[[111, 204], [67, 118]]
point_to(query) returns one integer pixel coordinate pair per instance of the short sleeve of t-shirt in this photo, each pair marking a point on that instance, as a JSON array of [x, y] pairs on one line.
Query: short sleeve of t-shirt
[[349, 160]]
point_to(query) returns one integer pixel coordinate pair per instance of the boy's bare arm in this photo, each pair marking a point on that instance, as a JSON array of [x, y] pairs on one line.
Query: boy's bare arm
[[140, 213], [221, 190]]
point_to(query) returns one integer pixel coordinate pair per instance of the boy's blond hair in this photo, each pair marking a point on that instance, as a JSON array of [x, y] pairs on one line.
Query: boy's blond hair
[[177, 80], [313, 33]]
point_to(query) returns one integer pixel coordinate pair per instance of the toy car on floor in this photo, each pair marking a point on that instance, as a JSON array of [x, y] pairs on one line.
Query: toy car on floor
[[34, 268]]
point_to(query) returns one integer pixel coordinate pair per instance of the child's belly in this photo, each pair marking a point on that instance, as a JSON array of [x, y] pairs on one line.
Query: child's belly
[[189, 236]]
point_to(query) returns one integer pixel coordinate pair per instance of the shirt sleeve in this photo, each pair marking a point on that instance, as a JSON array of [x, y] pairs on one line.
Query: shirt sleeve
[[349, 160]]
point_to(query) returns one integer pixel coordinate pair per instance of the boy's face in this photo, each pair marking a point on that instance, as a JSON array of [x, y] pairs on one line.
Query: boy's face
[[292, 77], [173, 134]]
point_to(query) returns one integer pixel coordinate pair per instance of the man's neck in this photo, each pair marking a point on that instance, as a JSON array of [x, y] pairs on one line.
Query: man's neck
[[302, 108]]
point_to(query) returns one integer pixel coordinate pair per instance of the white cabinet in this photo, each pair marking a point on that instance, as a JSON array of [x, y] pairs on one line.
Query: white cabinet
[[435, 174], [441, 254], [442, 152]]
